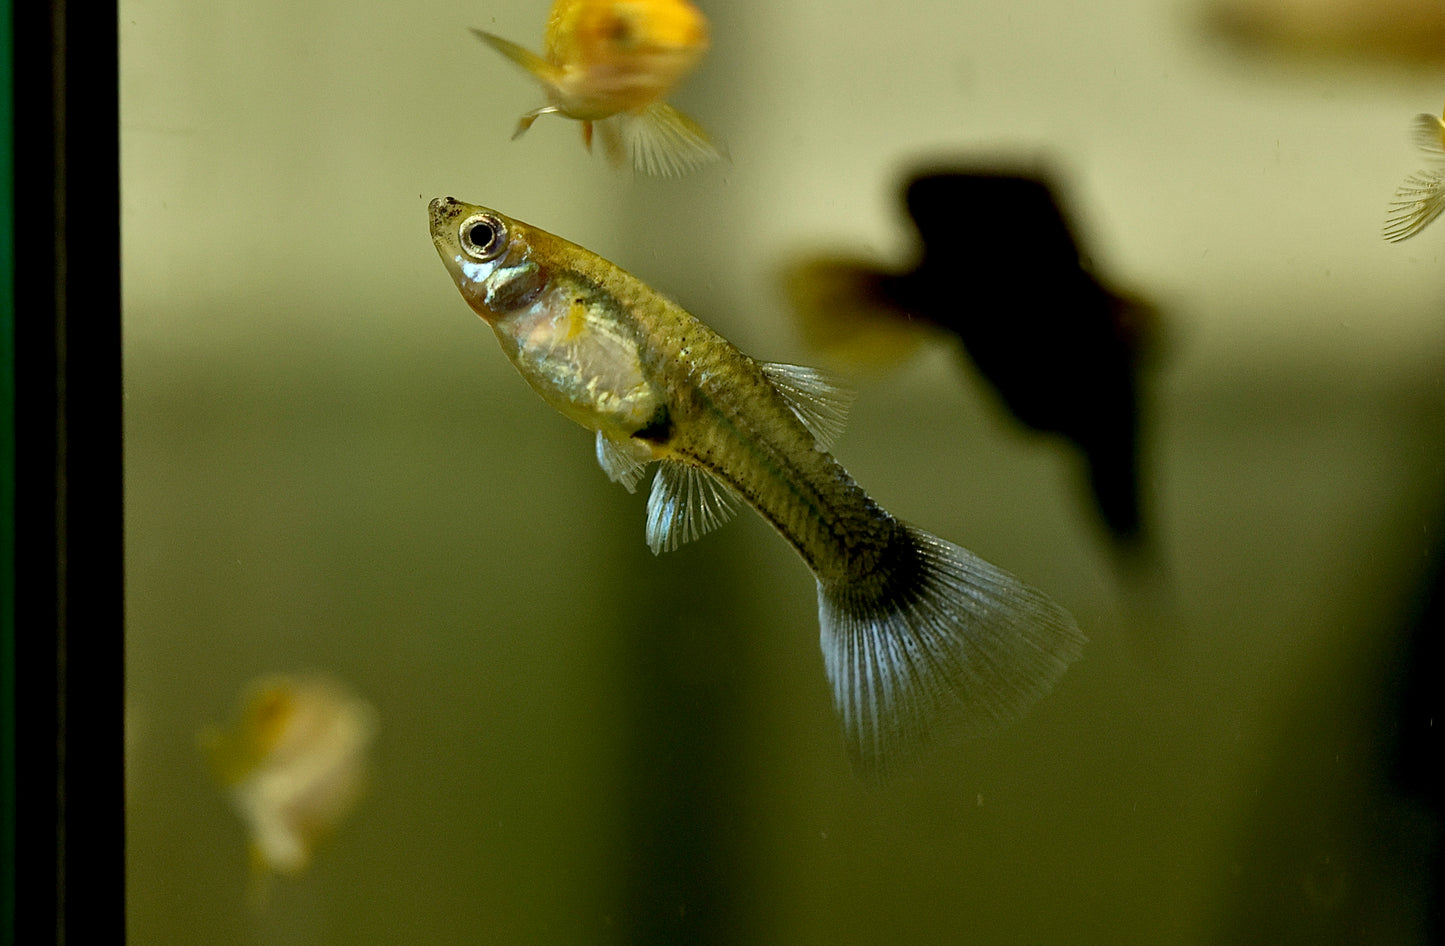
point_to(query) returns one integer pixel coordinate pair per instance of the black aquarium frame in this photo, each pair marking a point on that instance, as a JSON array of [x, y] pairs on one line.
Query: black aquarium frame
[[62, 834]]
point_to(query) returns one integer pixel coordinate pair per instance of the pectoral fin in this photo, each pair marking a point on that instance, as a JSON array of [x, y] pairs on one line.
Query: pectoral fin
[[622, 462], [526, 120], [686, 503], [540, 68]]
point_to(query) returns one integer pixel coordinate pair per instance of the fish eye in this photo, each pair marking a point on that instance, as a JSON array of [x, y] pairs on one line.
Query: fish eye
[[619, 30], [484, 237]]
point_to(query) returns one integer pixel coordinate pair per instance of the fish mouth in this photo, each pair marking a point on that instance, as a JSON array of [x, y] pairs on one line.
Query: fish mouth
[[443, 210]]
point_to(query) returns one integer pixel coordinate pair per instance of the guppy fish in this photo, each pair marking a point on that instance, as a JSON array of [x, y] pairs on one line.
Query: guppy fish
[[1000, 268], [609, 64], [918, 634], [1422, 197], [1384, 31], [294, 762]]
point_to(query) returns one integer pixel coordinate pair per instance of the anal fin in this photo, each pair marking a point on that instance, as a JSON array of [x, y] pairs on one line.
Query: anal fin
[[686, 503]]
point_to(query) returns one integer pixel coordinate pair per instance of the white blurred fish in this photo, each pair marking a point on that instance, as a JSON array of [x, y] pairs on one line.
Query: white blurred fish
[[294, 761], [1422, 197]]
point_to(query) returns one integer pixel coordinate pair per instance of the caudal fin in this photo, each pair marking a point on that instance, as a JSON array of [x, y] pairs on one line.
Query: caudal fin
[[844, 310], [945, 642], [1417, 203], [659, 140]]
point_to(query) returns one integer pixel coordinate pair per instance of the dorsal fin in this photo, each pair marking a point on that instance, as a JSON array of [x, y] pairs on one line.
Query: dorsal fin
[[818, 400], [686, 502]]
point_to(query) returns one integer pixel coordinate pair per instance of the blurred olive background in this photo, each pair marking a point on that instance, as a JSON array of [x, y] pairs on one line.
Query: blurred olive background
[[331, 466]]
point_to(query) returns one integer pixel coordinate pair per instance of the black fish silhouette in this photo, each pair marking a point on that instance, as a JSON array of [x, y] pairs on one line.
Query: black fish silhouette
[[1001, 270]]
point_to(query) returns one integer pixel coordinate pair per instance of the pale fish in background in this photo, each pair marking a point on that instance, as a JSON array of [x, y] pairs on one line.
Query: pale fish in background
[[294, 762], [918, 634], [610, 64], [1408, 32], [1422, 197]]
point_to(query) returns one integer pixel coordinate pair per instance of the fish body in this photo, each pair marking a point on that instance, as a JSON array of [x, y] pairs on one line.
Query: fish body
[[918, 634], [293, 762], [1422, 197], [610, 64], [1409, 32], [1000, 270]]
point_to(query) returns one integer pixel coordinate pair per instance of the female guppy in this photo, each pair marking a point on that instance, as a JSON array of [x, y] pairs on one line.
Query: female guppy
[[918, 634]]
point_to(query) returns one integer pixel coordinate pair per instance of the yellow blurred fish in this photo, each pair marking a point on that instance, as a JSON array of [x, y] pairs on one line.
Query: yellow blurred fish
[[294, 762], [1393, 31], [846, 310], [918, 634], [609, 64], [1422, 197]]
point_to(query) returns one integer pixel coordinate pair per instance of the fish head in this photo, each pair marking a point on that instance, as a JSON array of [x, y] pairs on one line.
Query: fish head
[[488, 255], [266, 714], [592, 31], [622, 55]]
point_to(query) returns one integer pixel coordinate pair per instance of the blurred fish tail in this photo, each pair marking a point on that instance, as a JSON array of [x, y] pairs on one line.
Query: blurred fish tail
[[1422, 197], [937, 639], [1416, 205], [844, 309], [660, 141]]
